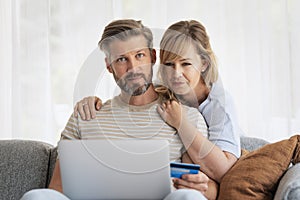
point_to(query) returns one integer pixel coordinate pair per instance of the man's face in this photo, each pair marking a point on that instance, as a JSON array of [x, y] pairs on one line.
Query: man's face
[[131, 64]]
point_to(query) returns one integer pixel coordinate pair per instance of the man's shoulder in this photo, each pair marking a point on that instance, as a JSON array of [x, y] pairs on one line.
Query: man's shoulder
[[191, 109], [193, 113], [110, 103]]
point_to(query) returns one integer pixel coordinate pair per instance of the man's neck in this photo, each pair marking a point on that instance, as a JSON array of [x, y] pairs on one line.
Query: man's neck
[[148, 97]]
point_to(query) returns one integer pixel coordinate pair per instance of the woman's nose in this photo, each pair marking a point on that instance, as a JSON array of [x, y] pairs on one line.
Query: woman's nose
[[178, 69]]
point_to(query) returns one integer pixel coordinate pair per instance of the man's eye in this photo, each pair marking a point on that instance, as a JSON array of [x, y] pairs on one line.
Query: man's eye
[[122, 59], [140, 55]]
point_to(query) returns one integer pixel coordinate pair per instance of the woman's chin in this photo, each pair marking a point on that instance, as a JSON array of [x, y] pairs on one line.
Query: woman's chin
[[180, 91]]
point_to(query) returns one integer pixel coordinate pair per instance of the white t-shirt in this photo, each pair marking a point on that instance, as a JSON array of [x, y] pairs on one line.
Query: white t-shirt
[[219, 113]]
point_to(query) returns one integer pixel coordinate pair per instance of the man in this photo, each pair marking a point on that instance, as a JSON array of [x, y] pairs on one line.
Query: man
[[127, 45]]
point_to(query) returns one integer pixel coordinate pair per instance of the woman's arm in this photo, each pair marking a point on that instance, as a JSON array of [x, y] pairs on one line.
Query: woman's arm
[[214, 162]]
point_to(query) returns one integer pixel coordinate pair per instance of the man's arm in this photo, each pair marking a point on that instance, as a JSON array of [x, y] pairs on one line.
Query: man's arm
[[55, 182]]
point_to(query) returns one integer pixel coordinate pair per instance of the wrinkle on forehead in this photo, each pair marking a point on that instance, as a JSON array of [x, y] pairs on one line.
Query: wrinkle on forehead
[[133, 44]]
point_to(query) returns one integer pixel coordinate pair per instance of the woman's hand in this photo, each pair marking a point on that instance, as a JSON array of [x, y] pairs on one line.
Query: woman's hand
[[172, 113], [87, 107], [192, 181], [208, 187]]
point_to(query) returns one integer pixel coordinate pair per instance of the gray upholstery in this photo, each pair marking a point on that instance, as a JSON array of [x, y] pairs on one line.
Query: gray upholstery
[[289, 186], [250, 143], [25, 165]]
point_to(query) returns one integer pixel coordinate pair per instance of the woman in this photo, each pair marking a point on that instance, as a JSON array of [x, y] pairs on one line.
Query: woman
[[190, 70]]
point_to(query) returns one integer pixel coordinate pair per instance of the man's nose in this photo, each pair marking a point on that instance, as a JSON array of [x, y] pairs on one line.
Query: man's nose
[[132, 63]]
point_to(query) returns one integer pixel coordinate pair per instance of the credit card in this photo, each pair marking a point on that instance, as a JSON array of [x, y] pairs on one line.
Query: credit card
[[178, 169]]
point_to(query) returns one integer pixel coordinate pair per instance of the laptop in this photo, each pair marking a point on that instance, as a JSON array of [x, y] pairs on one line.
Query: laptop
[[115, 169]]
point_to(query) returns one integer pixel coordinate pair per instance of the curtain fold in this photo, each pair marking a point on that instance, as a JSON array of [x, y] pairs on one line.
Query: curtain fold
[[49, 58], [5, 67]]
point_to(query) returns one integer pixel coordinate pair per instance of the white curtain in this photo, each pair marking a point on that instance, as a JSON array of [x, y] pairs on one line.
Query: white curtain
[[49, 58]]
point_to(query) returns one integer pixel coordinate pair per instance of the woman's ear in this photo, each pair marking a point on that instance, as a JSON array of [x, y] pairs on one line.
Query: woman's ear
[[204, 66], [108, 65]]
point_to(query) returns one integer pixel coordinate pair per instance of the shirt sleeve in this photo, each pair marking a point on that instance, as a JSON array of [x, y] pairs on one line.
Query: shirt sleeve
[[223, 129], [71, 130]]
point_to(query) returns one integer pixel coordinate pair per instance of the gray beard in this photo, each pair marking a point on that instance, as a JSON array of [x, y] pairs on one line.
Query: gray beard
[[139, 91], [136, 89]]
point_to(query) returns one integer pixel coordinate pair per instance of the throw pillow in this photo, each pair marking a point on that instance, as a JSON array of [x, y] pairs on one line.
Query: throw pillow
[[256, 174]]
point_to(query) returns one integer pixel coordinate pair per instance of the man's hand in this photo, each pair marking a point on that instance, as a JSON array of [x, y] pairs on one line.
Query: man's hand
[[87, 107]]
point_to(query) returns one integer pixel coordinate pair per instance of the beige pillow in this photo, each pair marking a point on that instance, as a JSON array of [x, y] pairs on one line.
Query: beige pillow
[[256, 174]]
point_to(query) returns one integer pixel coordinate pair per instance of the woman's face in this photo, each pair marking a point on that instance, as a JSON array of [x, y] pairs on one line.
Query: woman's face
[[183, 74]]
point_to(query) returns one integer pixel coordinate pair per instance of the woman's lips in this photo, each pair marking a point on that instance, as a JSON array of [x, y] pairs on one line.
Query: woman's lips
[[178, 83]]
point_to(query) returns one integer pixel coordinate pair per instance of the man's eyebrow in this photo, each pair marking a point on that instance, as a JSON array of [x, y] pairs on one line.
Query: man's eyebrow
[[115, 57], [140, 50], [124, 55]]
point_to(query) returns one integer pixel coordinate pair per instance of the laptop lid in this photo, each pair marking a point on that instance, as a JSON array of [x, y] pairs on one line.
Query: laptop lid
[[115, 169]]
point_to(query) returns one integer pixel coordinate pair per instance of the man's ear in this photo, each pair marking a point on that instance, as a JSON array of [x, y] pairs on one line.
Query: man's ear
[[153, 56], [108, 65]]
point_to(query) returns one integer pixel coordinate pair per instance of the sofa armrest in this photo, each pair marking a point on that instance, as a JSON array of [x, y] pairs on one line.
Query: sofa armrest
[[289, 186], [24, 166]]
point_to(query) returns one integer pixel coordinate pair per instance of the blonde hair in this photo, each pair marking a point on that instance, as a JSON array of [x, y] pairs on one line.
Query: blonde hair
[[165, 93], [122, 30], [179, 37]]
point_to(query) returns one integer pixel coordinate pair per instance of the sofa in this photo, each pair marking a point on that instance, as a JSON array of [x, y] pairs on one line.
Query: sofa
[[27, 165]]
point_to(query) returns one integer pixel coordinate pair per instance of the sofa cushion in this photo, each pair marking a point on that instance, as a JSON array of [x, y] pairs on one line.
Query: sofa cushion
[[256, 174], [23, 166], [289, 186]]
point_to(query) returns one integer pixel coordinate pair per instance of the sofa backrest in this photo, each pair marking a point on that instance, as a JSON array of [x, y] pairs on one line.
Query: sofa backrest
[[24, 165], [251, 143]]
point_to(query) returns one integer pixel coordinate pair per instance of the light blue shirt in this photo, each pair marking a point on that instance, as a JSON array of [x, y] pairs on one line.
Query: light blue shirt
[[219, 113]]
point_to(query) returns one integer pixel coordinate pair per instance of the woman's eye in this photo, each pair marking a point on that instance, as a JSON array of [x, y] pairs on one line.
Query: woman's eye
[[168, 64], [122, 59], [186, 64]]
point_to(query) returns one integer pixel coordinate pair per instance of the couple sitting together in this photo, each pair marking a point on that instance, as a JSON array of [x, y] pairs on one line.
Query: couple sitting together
[[189, 108]]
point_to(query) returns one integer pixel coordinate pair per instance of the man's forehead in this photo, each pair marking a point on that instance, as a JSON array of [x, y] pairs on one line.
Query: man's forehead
[[132, 44]]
